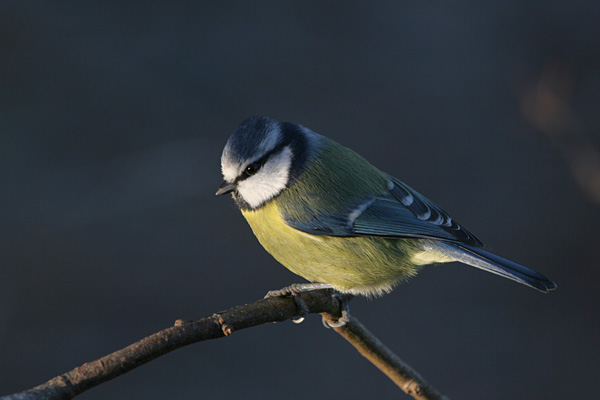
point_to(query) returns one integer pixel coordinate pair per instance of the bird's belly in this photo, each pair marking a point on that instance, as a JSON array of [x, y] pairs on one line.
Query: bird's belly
[[360, 265]]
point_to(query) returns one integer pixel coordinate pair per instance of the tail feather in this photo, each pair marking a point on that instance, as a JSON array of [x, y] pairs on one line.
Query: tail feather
[[489, 262]]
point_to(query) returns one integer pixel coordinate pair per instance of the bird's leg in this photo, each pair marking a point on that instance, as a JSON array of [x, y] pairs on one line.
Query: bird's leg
[[294, 290], [297, 288], [344, 299]]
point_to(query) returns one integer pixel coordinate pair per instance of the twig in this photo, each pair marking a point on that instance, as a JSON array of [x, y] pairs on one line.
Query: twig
[[389, 363], [93, 373]]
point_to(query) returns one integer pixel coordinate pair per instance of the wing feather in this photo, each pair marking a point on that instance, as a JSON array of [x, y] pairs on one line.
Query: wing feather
[[401, 212]]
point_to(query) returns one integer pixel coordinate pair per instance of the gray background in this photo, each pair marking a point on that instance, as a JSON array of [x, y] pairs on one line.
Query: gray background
[[112, 119]]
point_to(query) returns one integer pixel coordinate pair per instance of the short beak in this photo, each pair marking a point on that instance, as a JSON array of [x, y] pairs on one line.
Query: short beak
[[226, 187]]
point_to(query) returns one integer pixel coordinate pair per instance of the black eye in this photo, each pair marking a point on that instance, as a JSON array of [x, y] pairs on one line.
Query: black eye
[[251, 169]]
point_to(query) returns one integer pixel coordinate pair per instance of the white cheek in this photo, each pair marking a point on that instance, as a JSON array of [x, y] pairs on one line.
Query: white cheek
[[270, 180]]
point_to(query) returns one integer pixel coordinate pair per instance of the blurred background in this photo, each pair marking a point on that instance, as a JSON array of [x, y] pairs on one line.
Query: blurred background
[[113, 116]]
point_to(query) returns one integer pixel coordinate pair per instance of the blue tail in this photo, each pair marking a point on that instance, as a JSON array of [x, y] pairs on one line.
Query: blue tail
[[489, 262]]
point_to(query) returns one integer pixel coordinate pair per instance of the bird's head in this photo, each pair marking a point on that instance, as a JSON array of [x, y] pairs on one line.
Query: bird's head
[[263, 157]]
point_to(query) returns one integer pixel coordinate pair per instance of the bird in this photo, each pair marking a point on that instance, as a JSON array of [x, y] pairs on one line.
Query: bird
[[329, 216]]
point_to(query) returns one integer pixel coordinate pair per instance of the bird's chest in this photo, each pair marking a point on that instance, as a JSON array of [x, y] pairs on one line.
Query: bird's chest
[[371, 264], [278, 238]]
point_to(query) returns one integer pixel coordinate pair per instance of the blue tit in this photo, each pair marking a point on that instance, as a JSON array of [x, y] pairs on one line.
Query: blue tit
[[328, 215]]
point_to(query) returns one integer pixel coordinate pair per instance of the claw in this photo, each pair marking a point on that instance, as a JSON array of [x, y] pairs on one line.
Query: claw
[[294, 290], [344, 299], [302, 308]]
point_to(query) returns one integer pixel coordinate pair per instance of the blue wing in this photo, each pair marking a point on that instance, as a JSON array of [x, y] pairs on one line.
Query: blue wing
[[401, 212]]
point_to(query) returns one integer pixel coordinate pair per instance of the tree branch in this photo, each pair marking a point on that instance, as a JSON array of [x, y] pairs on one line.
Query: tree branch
[[276, 309], [389, 363]]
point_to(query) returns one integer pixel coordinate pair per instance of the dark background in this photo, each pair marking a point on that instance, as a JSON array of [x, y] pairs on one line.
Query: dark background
[[112, 120]]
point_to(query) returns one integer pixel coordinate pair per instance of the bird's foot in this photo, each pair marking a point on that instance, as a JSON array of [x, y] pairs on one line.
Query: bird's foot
[[344, 299], [294, 290]]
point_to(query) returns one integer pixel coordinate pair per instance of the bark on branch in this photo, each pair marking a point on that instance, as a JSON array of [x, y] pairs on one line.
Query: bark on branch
[[182, 333]]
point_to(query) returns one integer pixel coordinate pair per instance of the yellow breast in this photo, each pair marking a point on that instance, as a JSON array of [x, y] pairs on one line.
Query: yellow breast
[[361, 265]]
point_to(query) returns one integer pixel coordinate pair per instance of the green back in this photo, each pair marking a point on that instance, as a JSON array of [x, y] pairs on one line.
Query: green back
[[337, 181]]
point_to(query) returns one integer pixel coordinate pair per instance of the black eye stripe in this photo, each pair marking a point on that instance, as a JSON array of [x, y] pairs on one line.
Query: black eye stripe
[[260, 162]]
